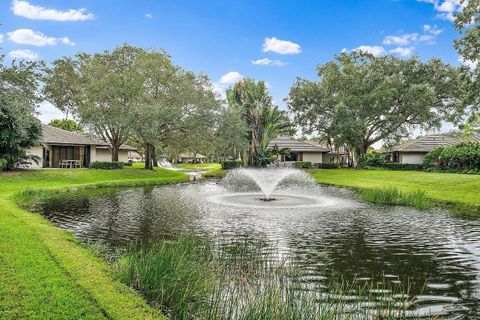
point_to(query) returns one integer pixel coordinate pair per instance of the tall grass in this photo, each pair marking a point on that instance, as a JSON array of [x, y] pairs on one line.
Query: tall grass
[[392, 196], [191, 279]]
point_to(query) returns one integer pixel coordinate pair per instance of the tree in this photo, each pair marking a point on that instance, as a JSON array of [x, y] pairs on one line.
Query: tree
[[19, 128], [361, 99], [253, 99], [467, 22], [174, 105], [100, 89], [231, 135], [66, 124]]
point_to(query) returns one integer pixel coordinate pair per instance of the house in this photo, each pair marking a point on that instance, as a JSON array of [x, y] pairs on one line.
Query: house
[[190, 158], [413, 152], [299, 151], [61, 148], [135, 156]]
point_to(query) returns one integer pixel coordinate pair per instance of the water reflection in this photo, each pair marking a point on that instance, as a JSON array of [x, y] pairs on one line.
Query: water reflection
[[437, 254]]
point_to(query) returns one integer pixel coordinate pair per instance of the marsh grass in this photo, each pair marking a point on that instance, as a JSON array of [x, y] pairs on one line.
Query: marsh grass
[[191, 279], [392, 196]]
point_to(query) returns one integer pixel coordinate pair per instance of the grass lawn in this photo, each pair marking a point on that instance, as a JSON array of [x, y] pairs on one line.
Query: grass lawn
[[44, 272], [453, 188]]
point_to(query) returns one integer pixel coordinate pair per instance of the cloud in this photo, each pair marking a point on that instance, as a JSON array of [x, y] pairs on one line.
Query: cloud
[[48, 112], [149, 15], [29, 11], [432, 30], [1, 38], [269, 62], [374, 50], [446, 8], [280, 46], [403, 51], [23, 54], [230, 78], [472, 65], [35, 38]]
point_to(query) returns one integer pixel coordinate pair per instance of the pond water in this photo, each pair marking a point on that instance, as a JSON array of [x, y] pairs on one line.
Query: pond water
[[437, 254]]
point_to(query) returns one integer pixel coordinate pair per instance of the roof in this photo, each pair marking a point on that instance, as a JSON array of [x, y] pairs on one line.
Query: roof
[[54, 135], [295, 145], [190, 155], [426, 143]]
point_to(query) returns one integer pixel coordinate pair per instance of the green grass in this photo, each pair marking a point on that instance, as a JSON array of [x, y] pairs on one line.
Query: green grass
[[188, 278], [214, 170], [419, 189], [44, 272]]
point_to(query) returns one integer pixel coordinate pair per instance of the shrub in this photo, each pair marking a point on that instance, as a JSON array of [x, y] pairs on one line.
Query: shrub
[[464, 156], [371, 159], [231, 164], [402, 166], [392, 196], [106, 165], [302, 165], [326, 165], [128, 164]]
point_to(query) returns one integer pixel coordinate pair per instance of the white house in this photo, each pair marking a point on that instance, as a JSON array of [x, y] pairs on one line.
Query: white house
[[413, 152], [299, 151], [61, 148]]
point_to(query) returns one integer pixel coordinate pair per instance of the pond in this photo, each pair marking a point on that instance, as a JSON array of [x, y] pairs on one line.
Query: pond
[[434, 253]]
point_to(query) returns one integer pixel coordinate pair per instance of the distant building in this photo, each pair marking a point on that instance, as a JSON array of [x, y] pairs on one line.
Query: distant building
[[299, 151], [190, 158], [64, 149], [135, 156], [414, 151]]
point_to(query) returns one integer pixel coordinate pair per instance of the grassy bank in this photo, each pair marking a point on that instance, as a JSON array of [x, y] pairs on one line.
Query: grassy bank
[[44, 273], [420, 189]]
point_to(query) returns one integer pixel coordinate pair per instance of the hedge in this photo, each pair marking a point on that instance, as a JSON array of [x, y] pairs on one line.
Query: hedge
[[231, 164], [106, 165], [326, 166], [402, 166], [302, 165]]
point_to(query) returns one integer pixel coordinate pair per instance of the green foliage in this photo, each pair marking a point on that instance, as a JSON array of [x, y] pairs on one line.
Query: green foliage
[[391, 196], [302, 165], [106, 165], [174, 276], [356, 99], [371, 159], [263, 158], [464, 156], [231, 164], [66, 124], [398, 166], [331, 165], [19, 128]]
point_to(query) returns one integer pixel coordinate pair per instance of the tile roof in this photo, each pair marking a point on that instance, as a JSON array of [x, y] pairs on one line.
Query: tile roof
[[426, 143], [295, 145], [53, 135]]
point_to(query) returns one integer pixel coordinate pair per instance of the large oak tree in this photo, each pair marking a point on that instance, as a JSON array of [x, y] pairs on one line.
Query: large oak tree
[[360, 99]]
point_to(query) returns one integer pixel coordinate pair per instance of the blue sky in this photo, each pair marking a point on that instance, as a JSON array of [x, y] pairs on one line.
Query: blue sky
[[275, 41]]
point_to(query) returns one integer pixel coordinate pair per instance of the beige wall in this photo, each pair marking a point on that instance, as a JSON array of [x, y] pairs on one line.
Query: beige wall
[[37, 151], [412, 158], [313, 157], [106, 155], [93, 153]]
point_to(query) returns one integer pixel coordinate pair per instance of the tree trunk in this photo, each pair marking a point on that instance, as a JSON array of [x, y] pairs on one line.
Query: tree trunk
[[115, 148], [149, 154]]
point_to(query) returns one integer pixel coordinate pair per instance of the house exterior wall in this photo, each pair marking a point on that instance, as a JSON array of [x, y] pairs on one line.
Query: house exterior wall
[[313, 157], [36, 151], [93, 154], [105, 155], [411, 158]]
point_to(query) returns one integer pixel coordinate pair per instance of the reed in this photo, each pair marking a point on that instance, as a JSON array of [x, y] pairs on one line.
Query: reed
[[191, 279], [392, 196]]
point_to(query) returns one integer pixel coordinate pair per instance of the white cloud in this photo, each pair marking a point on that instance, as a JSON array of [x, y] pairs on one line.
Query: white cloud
[[29, 11], [230, 78], [35, 38], [148, 15], [400, 40], [428, 36], [1, 38], [280, 46], [23, 54], [374, 50], [432, 30], [403, 51], [48, 112], [269, 62], [468, 63], [446, 8]]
